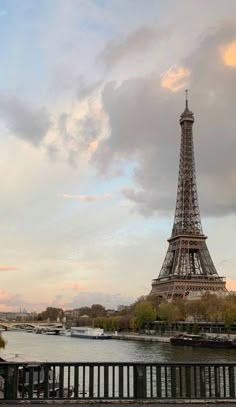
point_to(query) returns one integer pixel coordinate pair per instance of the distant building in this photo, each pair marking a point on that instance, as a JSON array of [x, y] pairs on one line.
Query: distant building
[[11, 316]]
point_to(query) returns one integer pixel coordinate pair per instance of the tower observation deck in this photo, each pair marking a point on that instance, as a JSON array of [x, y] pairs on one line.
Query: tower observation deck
[[188, 266]]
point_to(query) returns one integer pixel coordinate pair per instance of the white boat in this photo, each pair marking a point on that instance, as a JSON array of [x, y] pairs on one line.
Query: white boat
[[65, 332], [89, 333], [50, 330]]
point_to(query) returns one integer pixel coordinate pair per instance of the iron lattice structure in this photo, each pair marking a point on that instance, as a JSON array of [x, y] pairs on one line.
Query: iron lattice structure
[[188, 266]]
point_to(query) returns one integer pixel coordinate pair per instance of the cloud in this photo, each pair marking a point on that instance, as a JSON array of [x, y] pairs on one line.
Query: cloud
[[9, 302], [89, 127], [58, 301], [83, 198], [73, 286], [4, 296], [144, 131], [23, 120], [85, 89], [93, 145], [136, 42], [86, 198], [229, 54], [105, 299], [77, 131], [175, 79], [7, 267], [85, 264]]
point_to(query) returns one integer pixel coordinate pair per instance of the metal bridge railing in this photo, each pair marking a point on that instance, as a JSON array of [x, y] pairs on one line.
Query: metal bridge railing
[[107, 381]]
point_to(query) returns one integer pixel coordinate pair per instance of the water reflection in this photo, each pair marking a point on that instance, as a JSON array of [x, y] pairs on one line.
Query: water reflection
[[61, 348]]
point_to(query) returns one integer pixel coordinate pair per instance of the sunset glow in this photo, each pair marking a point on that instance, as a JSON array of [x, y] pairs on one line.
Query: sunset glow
[[231, 284], [91, 93], [174, 80], [229, 54]]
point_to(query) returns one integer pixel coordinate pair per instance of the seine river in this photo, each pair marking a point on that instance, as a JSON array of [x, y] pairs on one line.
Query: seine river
[[30, 346]]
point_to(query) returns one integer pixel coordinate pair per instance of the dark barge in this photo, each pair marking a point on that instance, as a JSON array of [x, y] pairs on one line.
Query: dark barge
[[202, 341]]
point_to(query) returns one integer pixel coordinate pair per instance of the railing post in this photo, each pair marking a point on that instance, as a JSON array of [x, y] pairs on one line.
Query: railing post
[[31, 382], [121, 381], [231, 382], [106, 381], [202, 382], [140, 381], [46, 381], [11, 383], [91, 381], [173, 381], [61, 381], [188, 382]]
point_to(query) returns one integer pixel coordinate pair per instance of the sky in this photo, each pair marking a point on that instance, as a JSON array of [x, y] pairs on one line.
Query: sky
[[91, 92]]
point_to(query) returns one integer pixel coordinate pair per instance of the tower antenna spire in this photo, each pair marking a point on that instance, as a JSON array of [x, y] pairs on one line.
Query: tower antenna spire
[[186, 99]]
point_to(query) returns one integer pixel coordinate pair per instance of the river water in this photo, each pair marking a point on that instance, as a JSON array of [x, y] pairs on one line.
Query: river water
[[29, 346]]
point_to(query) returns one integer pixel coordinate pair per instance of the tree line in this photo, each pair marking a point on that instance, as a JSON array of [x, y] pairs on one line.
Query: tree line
[[145, 310], [142, 314]]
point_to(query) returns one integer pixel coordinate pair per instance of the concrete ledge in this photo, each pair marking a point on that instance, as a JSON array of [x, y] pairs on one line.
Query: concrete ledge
[[145, 338], [134, 403]]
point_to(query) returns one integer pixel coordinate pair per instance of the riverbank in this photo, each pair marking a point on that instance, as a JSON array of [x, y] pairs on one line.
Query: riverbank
[[157, 338], [145, 338]]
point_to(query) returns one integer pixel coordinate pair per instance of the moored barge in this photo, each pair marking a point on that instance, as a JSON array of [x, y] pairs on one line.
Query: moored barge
[[202, 341]]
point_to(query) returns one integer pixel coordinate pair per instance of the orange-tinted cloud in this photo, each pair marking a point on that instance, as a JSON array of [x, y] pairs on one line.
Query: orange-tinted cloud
[[175, 79], [229, 54], [5, 308], [231, 284], [4, 296], [93, 145], [5, 267]]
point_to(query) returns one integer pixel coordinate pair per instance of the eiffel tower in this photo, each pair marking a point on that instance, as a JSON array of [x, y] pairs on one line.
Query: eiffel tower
[[188, 267]]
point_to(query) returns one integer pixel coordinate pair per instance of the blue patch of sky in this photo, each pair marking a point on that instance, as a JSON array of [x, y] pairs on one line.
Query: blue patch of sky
[[26, 67], [98, 186], [101, 28], [133, 11], [22, 67], [137, 224], [140, 226], [114, 184]]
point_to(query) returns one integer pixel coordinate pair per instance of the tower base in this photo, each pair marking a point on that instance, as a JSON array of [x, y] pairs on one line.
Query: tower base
[[182, 287]]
